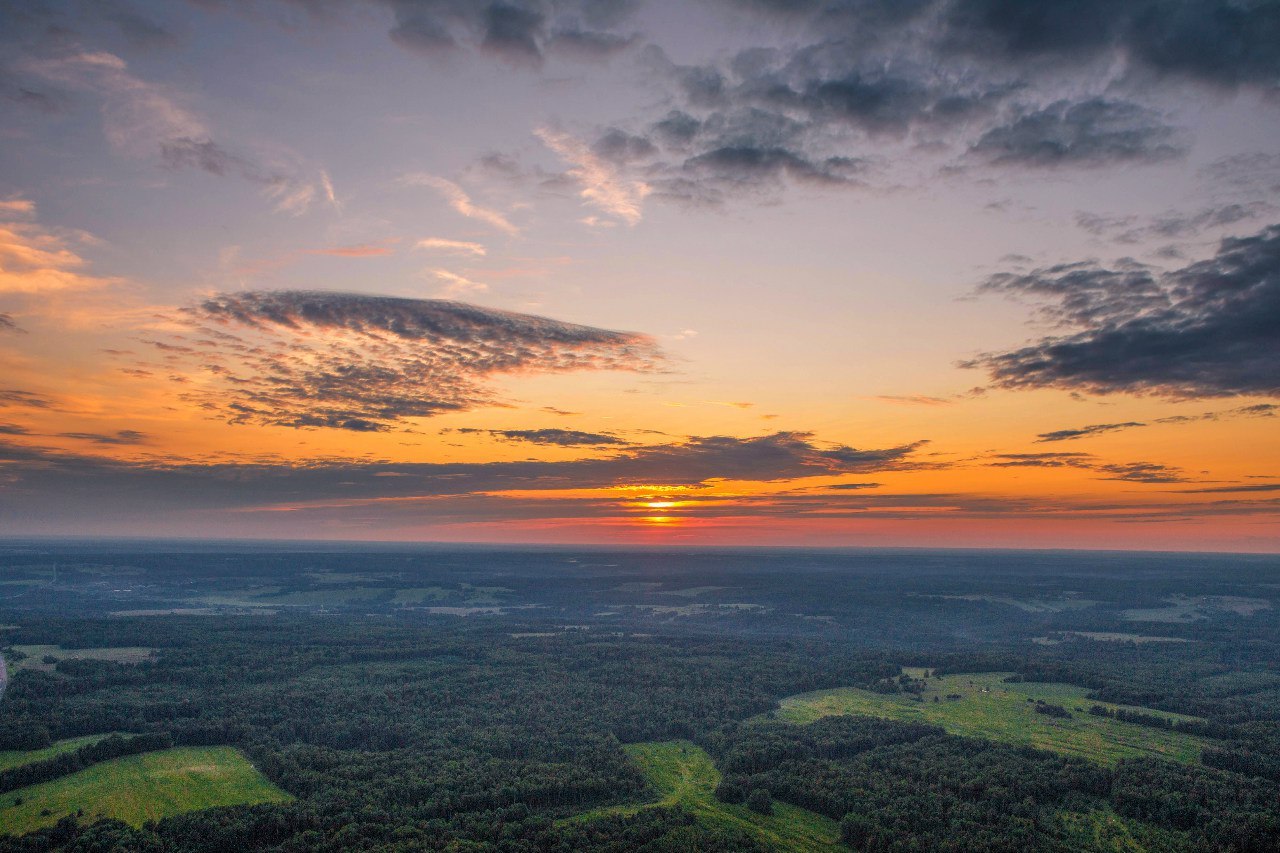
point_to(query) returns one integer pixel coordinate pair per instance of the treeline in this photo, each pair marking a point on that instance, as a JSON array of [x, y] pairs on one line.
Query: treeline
[[113, 746], [1202, 728], [906, 787]]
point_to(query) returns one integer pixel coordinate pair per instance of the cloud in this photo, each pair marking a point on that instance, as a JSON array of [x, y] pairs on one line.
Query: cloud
[[37, 261], [458, 199], [602, 187], [1209, 329], [1130, 472], [1258, 410], [518, 32], [440, 244], [552, 436], [1244, 487], [1081, 432], [1171, 225], [119, 437], [458, 285], [1216, 42], [916, 400], [7, 324], [361, 250], [1042, 460], [41, 479], [16, 398], [1095, 132], [370, 363], [17, 207], [144, 119], [1142, 472]]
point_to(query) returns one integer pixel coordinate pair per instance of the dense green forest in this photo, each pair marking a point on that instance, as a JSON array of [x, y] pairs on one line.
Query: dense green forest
[[485, 700]]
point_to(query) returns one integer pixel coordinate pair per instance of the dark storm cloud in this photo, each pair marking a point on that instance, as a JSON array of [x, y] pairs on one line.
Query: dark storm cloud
[[550, 436], [1096, 132], [1211, 328], [367, 363], [1081, 432]]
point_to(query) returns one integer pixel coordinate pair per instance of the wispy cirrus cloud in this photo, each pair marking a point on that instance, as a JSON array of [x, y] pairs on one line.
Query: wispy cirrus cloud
[[372, 363], [35, 260], [441, 244], [1084, 431], [144, 119], [461, 202], [602, 186]]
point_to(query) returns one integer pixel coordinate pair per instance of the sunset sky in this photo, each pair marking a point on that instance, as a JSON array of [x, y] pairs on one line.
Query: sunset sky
[[763, 272]]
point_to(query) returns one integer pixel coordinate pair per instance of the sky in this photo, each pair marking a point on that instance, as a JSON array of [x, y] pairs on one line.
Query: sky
[[952, 273]]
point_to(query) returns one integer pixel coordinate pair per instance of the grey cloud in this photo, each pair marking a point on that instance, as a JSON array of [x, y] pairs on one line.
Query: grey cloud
[[7, 324], [1142, 472], [1246, 487], [1211, 328], [521, 32], [588, 46], [1095, 132], [1258, 410], [26, 399], [40, 476], [1131, 472], [1042, 460], [208, 156], [1128, 229], [1081, 432], [551, 436], [140, 32], [1218, 42], [119, 437], [368, 363]]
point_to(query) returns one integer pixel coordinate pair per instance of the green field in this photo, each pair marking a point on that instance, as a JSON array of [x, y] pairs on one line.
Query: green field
[[989, 708], [17, 758], [684, 775], [35, 655], [139, 788]]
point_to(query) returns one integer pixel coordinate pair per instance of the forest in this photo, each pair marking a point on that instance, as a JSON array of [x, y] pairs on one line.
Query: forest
[[499, 700]]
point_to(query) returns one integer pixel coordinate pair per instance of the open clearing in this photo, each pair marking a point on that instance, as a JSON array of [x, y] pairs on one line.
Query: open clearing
[[35, 655], [685, 777], [139, 788], [1103, 829], [1188, 609], [17, 758], [989, 708]]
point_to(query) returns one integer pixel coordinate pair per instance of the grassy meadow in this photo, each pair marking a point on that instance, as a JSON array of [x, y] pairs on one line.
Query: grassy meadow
[[139, 788], [684, 776], [983, 705]]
